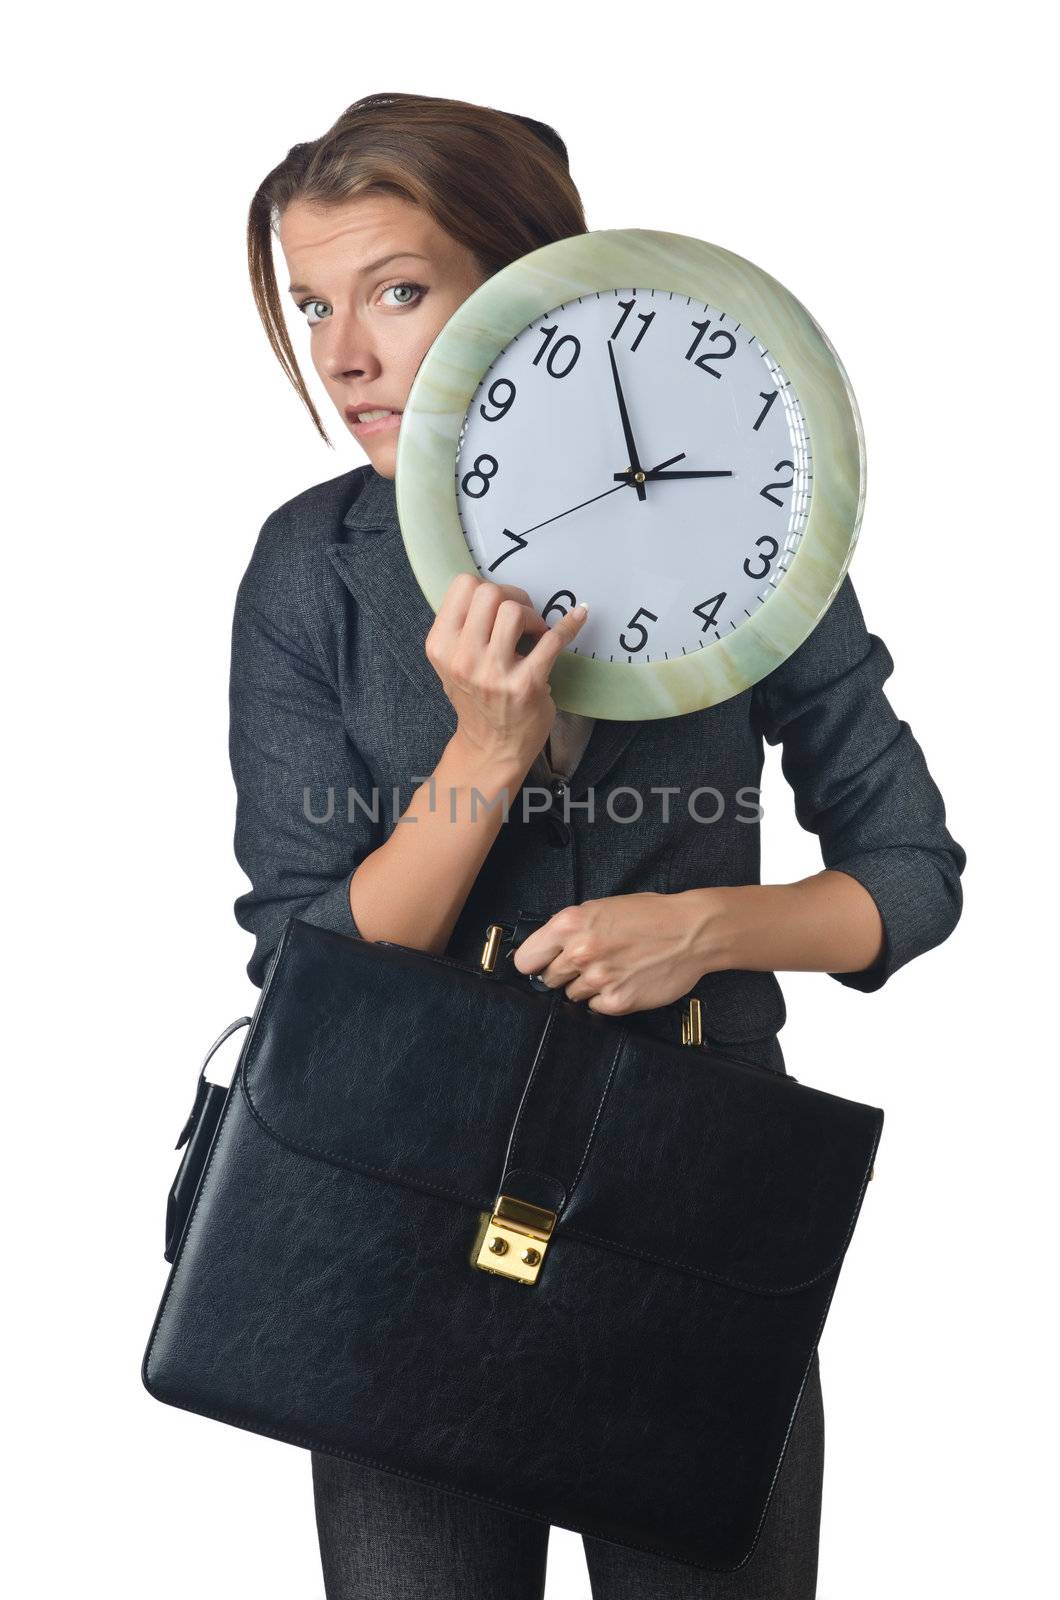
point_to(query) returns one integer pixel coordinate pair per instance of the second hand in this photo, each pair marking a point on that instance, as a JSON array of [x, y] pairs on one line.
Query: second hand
[[626, 484]]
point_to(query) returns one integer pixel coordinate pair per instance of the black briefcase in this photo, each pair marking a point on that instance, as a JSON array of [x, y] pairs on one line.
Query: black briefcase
[[476, 1234]]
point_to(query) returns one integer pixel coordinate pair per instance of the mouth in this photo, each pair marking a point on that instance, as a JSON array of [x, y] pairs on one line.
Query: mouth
[[364, 420]]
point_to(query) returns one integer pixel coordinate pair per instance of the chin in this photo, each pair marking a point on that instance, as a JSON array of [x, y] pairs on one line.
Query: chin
[[384, 460]]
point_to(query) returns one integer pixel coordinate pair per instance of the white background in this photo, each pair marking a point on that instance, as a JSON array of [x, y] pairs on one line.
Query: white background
[[892, 166]]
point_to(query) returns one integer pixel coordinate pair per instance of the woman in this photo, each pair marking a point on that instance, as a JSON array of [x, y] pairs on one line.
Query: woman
[[353, 708]]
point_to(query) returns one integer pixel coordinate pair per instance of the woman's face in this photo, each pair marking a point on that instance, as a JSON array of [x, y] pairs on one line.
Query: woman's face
[[376, 279]]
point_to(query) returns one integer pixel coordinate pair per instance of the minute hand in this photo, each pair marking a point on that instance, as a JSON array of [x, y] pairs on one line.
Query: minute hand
[[634, 476]]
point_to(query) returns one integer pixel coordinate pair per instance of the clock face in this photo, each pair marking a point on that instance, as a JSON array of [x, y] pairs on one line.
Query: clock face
[[669, 564]]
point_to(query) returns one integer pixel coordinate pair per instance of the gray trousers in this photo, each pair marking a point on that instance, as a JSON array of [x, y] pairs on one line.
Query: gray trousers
[[383, 1537]]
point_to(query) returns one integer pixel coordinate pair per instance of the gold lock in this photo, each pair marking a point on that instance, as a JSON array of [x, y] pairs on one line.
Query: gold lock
[[512, 1239]]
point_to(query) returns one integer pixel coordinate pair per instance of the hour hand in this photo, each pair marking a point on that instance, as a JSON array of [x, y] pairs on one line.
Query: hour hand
[[656, 473], [634, 475], [652, 472]]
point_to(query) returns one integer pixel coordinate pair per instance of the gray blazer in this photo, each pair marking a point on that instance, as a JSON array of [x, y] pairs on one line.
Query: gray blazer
[[337, 716]]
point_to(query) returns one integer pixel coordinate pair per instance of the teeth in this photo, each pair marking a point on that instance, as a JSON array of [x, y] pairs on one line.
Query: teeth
[[373, 416]]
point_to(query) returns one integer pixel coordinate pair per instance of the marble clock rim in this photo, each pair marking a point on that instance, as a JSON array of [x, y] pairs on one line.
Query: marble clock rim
[[604, 259]]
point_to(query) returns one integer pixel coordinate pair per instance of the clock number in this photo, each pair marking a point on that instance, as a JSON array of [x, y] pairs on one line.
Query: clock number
[[519, 542], [503, 405], [646, 317], [766, 540], [478, 472], [763, 414], [713, 355], [555, 370], [641, 611], [711, 620], [785, 485], [555, 605]]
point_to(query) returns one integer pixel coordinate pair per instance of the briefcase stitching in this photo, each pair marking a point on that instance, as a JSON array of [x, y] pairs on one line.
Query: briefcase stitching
[[599, 1112]]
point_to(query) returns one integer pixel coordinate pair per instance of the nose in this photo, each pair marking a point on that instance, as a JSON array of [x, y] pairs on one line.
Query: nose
[[348, 350]]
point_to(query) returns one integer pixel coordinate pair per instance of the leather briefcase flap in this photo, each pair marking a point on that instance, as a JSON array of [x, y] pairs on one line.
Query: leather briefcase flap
[[420, 1071]]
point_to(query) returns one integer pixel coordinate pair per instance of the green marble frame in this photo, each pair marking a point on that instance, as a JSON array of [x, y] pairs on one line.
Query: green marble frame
[[513, 298]]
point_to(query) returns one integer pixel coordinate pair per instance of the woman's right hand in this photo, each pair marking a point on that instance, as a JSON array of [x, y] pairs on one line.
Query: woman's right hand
[[502, 699]]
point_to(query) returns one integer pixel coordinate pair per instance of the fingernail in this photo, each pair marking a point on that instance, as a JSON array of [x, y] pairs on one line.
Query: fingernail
[[582, 606]]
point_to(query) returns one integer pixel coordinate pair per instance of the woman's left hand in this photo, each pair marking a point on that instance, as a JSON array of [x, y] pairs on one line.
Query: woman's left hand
[[628, 952]]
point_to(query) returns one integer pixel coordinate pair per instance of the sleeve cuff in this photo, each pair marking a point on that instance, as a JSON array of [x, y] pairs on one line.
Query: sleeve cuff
[[905, 885], [332, 909]]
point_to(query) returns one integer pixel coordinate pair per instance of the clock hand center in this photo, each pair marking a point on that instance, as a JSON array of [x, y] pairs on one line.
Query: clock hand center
[[631, 476]]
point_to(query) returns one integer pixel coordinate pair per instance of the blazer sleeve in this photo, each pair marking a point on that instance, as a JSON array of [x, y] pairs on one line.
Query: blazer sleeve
[[298, 836], [861, 783]]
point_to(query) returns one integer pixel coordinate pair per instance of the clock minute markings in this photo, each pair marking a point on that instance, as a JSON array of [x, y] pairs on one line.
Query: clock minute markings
[[632, 327]]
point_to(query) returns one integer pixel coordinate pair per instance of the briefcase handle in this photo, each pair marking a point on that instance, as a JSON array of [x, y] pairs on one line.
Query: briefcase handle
[[197, 1134], [504, 938]]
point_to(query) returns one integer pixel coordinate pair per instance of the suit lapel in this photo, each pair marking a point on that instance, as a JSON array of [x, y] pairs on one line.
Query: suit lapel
[[373, 564], [606, 743]]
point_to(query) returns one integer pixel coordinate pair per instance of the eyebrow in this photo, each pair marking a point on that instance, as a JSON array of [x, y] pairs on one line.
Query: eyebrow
[[373, 266]]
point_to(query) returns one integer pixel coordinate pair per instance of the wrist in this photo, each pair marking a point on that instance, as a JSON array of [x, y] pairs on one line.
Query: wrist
[[756, 927], [467, 765], [713, 927]]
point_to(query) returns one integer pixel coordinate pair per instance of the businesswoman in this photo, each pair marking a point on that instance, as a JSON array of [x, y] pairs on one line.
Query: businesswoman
[[355, 712]]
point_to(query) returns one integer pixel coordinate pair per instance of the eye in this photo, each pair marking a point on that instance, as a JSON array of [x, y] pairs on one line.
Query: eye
[[304, 306], [417, 289]]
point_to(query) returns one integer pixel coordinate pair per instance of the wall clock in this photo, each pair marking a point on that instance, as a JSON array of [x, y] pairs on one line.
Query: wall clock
[[654, 425]]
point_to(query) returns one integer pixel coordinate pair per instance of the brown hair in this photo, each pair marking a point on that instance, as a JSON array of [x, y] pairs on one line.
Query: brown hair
[[497, 183]]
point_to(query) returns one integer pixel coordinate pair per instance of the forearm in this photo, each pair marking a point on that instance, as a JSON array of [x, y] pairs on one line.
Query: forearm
[[825, 923], [412, 888]]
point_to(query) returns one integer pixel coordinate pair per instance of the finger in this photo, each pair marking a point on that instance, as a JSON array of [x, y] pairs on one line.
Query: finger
[[558, 637], [481, 616], [533, 622], [537, 951], [511, 591], [608, 1005], [456, 602], [561, 971], [512, 622], [580, 988]]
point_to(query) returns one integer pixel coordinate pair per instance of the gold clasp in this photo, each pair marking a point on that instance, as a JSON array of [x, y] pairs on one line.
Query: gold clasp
[[512, 1240], [494, 934], [692, 1022]]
